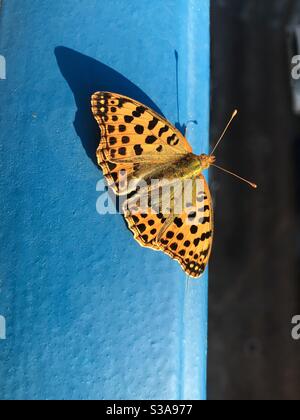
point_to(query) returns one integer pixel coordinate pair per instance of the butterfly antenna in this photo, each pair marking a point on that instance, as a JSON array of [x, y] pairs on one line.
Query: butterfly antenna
[[225, 131], [236, 176]]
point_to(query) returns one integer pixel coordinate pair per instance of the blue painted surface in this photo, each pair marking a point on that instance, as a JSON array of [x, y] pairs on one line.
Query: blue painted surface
[[89, 313]]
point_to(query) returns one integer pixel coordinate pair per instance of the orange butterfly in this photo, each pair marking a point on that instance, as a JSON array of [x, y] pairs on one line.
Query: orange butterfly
[[138, 146]]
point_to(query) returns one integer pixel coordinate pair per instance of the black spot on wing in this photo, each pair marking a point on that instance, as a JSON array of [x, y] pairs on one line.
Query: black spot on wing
[[194, 229], [205, 253], [151, 139], [122, 102], [112, 141], [171, 139], [153, 123], [174, 246], [125, 140], [203, 209], [128, 119], [197, 241], [111, 166], [204, 220], [141, 228], [135, 219], [139, 129], [178, 222], [114, 176], [192, 216], [163, 130], [140, 110], [138, 149], [122, 151]]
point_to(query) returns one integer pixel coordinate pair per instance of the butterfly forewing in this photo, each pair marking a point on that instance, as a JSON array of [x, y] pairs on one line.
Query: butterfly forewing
[[134, 139]]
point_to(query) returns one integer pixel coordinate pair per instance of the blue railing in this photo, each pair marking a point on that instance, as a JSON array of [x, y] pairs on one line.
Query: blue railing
[[88, 313]]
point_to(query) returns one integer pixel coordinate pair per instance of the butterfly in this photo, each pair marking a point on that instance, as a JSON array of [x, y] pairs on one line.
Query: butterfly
[[138, 146]]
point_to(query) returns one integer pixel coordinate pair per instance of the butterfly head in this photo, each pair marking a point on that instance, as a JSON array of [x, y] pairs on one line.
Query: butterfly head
[[206, 161]]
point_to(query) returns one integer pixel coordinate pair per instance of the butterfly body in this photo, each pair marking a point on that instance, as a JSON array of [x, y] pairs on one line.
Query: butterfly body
[[184, 167], [168, 206]]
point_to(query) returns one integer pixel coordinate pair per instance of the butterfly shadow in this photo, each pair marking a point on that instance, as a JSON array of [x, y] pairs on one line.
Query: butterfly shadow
[[181, 127], [85, 76]]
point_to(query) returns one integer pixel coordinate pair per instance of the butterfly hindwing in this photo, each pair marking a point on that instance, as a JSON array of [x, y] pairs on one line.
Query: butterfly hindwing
[[186, 236], [189, 238]]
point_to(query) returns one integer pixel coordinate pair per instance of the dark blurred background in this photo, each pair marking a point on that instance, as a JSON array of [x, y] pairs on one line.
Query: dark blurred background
[[255, 268]]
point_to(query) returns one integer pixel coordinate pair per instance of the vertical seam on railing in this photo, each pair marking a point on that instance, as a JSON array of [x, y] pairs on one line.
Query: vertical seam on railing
[[195, 50]]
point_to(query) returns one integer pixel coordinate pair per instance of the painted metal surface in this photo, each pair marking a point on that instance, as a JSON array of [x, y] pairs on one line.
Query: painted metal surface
[[89, 314]]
